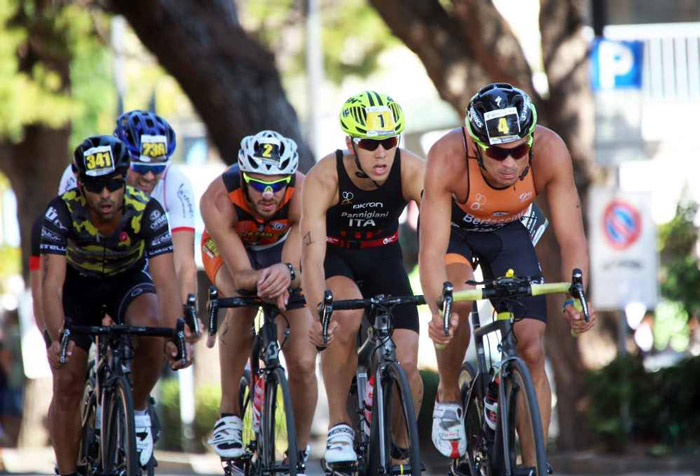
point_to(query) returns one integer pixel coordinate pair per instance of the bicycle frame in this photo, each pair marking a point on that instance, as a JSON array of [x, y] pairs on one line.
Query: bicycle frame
[[503, 288], [376, 353], [266, 346], [114, 355]]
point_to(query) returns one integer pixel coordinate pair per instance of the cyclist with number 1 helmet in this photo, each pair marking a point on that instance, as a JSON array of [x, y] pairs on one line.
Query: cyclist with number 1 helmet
[[352, 202], [480, 181]]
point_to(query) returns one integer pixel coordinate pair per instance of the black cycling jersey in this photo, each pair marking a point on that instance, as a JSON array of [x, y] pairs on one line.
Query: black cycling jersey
[[142, 233], [366, 214]]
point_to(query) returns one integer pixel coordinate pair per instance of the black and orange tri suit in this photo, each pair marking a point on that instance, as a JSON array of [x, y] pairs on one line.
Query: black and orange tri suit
[[263, 239], [487, 230]]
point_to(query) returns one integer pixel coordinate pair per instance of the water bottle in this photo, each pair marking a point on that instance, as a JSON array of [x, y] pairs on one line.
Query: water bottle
[[369, 393], [258, 399], [491, 408]]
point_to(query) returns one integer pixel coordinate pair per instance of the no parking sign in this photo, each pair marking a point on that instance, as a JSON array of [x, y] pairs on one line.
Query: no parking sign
[[623, 249]]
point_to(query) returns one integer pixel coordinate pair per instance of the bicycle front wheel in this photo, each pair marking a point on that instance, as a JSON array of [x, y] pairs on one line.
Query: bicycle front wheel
[[477, 458], [393, 446], [278, 442], [519, 410], [88, 455], [119, 435]]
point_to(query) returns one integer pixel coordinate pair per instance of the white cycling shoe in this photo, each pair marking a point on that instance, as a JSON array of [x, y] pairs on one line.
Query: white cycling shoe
[[340, 445], [448, 430], [144, 438], [227, 439]]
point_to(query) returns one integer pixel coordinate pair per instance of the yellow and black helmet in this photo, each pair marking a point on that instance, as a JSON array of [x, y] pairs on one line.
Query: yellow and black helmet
[[372, 115]]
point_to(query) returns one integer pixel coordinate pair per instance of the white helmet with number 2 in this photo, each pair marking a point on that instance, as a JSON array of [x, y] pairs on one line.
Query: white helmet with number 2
[[268, 153]]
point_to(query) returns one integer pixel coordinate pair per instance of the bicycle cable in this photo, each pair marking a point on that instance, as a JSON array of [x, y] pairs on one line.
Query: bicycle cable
[[286, 329]]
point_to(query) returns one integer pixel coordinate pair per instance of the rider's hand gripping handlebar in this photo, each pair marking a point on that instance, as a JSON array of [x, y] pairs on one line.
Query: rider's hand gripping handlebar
[[325, 310]]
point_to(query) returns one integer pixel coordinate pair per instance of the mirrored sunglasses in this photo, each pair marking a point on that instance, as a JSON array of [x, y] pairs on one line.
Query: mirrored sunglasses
[[262, 186], [143, 169], [500, 154], [372, 144]]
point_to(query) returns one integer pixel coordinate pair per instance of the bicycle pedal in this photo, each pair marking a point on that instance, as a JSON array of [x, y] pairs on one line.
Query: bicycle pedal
[[339, 469]]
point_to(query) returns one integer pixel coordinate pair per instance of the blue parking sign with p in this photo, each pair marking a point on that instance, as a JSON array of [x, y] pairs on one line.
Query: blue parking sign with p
[[616, 64]]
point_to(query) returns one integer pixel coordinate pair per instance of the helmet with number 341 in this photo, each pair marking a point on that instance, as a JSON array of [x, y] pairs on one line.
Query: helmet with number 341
[[100, 157]]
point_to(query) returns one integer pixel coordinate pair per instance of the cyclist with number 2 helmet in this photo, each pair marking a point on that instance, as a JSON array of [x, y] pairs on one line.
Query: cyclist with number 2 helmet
[[480, 181], [252, 244], [352, 202]]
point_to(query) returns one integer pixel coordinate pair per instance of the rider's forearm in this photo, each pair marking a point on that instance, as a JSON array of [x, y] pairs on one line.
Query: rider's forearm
[[432, 275], [246, 280], [313, 283], [575, 256], [187, 279], [52, 302]]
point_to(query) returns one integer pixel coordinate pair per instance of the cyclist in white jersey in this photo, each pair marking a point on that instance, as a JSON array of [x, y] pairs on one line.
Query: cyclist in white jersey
[[151, 141]]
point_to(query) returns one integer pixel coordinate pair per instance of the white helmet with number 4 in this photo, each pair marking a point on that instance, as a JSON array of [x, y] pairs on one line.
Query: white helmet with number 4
[[268, 153]]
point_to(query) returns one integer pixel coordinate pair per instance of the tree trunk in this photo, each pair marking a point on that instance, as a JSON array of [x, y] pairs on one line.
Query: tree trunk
[[34, 165], [470, 44], [230, 78]]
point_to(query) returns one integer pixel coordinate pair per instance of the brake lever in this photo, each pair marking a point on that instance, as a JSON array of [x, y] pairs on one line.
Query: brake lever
[[577, 292], [446, 301], [190, 312], [181, 342], [65, 339], [325, 312], [213, 310]]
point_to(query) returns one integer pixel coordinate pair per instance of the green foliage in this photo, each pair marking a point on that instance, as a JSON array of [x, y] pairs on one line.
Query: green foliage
[[353, 35], [679, 264], [10, 261], [671, 326], [35, 93], [207, 400], [662, 404]]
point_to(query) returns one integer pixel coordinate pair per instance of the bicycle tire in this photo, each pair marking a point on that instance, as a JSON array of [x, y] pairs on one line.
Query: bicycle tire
[[477, 456], [392, 377], [516, 381], [89, 452], [245, 402], [279, 442], [119, 454]]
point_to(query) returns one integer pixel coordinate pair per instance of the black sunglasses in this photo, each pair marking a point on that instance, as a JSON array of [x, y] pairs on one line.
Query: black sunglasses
[[500, 154], [96, 186], [372, 144]]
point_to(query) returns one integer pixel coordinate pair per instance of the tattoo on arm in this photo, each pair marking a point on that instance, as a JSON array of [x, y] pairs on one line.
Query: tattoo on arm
[[307, 239]]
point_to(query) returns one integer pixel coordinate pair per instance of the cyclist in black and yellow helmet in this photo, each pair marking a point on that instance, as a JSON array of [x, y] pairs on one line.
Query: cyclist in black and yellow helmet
[[352, 200], [480, 181], [96, 242]]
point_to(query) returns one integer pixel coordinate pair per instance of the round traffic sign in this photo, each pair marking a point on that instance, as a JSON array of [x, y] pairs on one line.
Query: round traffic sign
[[622, 224]]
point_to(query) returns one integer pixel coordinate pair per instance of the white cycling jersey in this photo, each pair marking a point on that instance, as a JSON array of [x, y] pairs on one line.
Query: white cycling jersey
[[173, 192]]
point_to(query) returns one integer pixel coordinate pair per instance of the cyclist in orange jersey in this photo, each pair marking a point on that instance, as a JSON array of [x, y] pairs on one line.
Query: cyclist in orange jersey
[[480, 180], [252, 244]]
